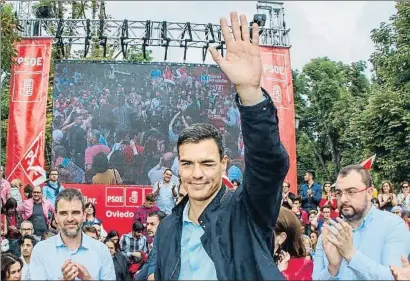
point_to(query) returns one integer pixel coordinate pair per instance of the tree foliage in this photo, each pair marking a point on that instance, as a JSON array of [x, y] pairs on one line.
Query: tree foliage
[[345, 119], [322, 91]]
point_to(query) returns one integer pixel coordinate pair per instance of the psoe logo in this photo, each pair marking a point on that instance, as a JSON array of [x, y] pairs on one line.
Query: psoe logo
[[30, 61], [275, 69], [114, 197]]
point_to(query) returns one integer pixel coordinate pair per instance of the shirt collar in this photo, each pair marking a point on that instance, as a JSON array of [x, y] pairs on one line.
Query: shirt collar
[[24, 261], [85, 241], [366, 219], [185, 214]]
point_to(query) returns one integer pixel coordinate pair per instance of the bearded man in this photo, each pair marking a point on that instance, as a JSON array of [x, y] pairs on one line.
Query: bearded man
[[71, 254], [365, 242]]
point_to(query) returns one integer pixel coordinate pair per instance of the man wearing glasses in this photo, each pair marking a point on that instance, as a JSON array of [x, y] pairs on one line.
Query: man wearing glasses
[[36, 211], [52, 187], [366, 242]]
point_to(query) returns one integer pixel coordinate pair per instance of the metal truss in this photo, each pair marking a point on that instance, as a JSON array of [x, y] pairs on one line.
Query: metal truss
[[140, 33]]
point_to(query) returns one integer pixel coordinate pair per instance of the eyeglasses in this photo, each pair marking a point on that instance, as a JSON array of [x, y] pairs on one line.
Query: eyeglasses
[[53, 174], [36, 192], [286, 186], [26, 229], [350, 193]]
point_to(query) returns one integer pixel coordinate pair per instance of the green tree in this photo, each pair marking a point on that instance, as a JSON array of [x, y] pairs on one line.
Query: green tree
[[382, 126], [8, 34], [322, 92]]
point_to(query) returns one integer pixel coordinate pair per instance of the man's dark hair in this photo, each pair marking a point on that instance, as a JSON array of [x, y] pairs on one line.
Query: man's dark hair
[[199, 132], [160, 214], [150, 197], [100, 163], [47, 234], [325, 207], [168, 169], [70, 194], [366, 177], [297, 198], [29, 190], [312, 173], [137, 227], [29, 237], [52, 170], [236, 181], [90, 229]]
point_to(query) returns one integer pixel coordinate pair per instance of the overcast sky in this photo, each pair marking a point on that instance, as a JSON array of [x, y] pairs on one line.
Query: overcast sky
[[339, 30]]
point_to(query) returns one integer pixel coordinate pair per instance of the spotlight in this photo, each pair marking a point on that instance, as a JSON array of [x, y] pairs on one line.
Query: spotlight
[[260, 19]]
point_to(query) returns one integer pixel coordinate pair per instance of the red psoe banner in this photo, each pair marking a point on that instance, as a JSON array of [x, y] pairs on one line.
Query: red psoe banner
[[277, 80], [27, 111], [115, 204]]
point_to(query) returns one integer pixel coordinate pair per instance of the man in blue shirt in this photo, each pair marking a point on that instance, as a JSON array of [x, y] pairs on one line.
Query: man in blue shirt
[[52, 187], [310, 192], [367, 241], [71, 254]]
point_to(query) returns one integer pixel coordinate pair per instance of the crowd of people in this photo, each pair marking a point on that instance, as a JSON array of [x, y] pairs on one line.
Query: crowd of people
[[198, 229], [301, 222], [134, 120]]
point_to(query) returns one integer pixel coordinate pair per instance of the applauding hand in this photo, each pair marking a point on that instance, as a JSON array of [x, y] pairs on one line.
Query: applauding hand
[[242, 64]]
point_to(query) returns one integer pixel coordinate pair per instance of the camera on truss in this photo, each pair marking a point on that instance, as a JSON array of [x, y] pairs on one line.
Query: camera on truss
[[260, 19]]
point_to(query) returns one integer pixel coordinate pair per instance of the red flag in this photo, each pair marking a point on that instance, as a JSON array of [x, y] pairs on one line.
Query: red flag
[[367, 164], [27, 112], [226, 181], [168, 76], [182, 73]]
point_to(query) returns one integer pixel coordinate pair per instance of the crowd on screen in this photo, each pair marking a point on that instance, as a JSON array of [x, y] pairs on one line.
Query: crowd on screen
[[116, 130], [299, 226]]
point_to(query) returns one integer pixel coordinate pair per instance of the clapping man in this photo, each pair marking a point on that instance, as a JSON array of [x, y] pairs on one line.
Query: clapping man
[[363, 244], [71, 254]]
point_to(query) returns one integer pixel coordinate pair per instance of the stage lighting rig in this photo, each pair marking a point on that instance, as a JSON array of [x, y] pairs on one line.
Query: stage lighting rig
[[259, 19], [164, 38], [125, 33], [123, 38], [102, 37], [59, 37], [87, 37], [146, 39], [184, 41]]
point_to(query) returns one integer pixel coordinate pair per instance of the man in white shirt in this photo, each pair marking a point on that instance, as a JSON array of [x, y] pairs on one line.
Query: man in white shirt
[[27, 244]]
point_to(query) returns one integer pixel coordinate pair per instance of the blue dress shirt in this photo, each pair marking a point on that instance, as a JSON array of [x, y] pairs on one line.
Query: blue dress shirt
[[379, 242], [195, 262], [49, 255]]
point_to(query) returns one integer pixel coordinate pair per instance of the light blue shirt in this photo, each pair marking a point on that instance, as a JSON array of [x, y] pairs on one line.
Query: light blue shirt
[[50, 194], [195, 262], [379, 242], [165, 199], [49, 255]]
